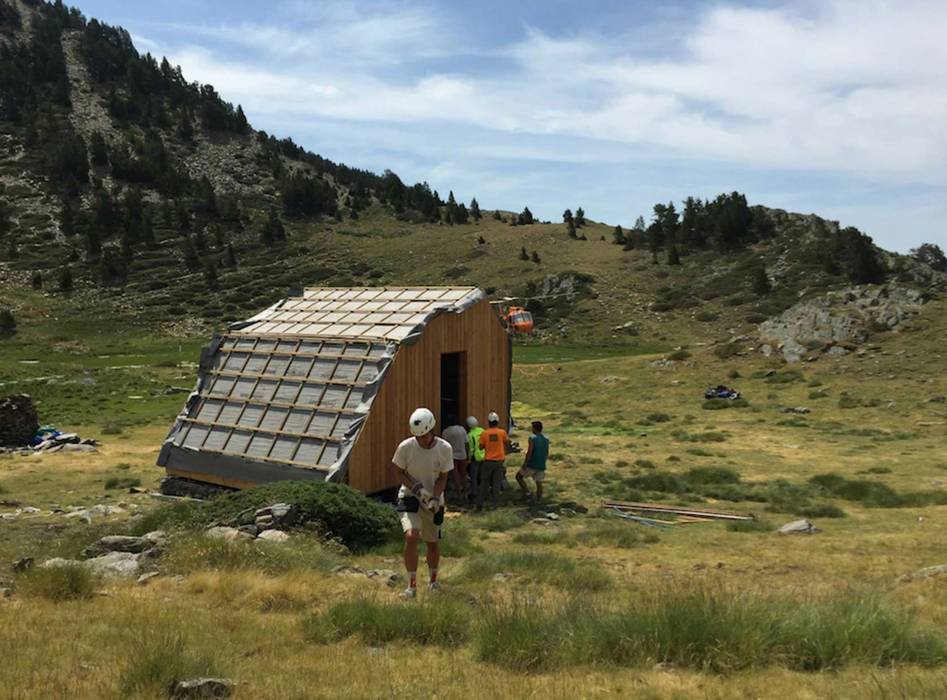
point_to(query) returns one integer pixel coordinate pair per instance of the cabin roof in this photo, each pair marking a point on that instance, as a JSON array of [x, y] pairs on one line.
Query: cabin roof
[[388, 313]]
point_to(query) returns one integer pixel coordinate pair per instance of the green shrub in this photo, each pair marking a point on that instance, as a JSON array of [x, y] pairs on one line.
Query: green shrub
[[111, 428], [712, 475], [727, 350], [706, 316], [119, 482], [722, 404], [645, 464], [787, 377], [158, 660], [710, 629], [870, 493], [537, 537], [59, 583], [755, 317], [678, 355], [846, 401], [879, 470], [358, 521], [658, 481], [709, 436], [750, 526], [442, 622], [538, 567], [822, 511], [659, 417], [612, 532], [818, 394]]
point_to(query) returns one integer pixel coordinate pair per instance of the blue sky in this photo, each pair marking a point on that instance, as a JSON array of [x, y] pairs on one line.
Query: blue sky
[[831, 106]]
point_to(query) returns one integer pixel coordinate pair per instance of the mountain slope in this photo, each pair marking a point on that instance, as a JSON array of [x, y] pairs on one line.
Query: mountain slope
[[129, 192]]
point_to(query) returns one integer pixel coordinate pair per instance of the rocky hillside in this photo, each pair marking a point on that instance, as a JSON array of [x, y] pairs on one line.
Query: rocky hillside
[[128, 193]]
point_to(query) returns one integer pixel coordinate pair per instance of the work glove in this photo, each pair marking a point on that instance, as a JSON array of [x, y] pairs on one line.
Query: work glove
[[425, 497], [435, 503]]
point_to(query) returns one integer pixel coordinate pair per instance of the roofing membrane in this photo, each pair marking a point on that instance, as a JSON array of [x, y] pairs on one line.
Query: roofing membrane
[[361, 312]]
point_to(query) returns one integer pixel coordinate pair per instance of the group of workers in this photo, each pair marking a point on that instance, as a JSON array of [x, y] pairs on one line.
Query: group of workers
[[474, 458]]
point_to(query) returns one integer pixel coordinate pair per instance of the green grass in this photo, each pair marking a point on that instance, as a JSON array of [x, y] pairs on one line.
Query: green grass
[[58, 583], [708, 629], [542, 354], [538, 567], [750, 526], [499, 520], [611, 532], [441, 622], [195, 552]]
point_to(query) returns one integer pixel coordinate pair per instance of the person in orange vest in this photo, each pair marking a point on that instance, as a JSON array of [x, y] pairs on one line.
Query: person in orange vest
[[494, 442]]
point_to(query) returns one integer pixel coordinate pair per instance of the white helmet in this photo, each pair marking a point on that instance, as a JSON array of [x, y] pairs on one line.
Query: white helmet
[[472, 422], [422, 422], [493, 417]]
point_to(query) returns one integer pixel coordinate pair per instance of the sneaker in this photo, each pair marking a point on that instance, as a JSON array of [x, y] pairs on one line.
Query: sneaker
[[409, 593], [434, 586]]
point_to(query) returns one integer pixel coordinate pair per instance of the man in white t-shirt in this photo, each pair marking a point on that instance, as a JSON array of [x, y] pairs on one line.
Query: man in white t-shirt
[[456, 435], [423, 463]]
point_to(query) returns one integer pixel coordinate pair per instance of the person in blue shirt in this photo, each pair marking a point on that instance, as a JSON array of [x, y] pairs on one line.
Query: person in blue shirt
[[534, 464]]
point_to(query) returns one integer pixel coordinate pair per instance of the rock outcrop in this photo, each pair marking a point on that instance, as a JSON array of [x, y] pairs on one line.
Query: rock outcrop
[[838, 321]]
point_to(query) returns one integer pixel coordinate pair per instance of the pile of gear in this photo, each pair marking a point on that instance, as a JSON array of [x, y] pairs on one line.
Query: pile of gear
[[721, 392]]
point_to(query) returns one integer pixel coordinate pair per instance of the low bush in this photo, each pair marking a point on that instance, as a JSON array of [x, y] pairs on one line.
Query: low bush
[[825, 510], [159, 660], [750, 526], [712, 475], [659, 417], [358, 521], [658, 481], [846, 401], [537, 537], [442, 622], [120, 482], [645, 464], [727, 350], [787, 377], [58, 583], [870, 493], [710, 629], [678, 355], [722, 404]]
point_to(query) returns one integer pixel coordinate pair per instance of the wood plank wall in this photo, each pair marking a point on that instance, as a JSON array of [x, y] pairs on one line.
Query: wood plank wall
[[413, 380]]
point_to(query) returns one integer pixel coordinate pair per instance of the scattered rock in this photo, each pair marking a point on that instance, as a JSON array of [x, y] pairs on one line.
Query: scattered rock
[[86, 514], [801, 410], [145, 578], [937, 399], [115, 564], [6, 592], [278, 516], [390, 577], [273, 536], [925, 573], [201, 689], [798, 527], [552, 516], [10, 503], [230, 534], [502, 578]]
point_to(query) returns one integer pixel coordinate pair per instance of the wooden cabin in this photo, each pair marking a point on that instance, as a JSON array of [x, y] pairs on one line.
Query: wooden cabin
[[321, 385]]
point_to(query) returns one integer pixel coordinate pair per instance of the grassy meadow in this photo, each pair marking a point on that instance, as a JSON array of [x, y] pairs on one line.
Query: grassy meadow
[[588, 605]]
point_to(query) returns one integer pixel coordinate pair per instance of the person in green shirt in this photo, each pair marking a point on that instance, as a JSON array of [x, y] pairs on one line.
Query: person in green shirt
[[534, 464], [475, 454]]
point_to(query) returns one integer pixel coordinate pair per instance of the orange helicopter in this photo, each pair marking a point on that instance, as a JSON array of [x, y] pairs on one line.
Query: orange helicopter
[[518, 320]]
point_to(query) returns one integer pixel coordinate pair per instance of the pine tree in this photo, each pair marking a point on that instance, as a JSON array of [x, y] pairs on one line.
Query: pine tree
[[674, 257], [210, 275], [65, 279], [760, 282], [93, 243], [535, 257], [496, 215], [241, 126], [7, 323], [481, 240], [98, 150], [185, 129], [579, 217], [231, 257], [67, 219], [525, 217], [619, 236], [475, 210], [570, 227], [36, 279], [523, 254], [567, 217], [191, 260]]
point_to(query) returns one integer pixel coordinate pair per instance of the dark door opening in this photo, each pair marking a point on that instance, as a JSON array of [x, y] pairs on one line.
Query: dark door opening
[[453, 387]]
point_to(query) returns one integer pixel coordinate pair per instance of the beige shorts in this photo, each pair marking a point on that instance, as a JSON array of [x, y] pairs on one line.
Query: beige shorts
[[423, 521], [537, 475]]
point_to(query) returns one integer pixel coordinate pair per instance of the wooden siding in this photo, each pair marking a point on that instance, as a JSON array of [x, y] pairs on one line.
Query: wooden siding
[[413, 380]]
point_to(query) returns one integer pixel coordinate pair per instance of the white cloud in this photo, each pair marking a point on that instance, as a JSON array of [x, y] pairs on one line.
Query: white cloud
[[853, 87]]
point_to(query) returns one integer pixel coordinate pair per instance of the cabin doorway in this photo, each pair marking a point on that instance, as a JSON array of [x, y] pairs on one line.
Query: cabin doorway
[[453, 387]]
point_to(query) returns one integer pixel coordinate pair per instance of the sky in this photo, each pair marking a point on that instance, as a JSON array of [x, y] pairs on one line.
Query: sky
[[828, 106]]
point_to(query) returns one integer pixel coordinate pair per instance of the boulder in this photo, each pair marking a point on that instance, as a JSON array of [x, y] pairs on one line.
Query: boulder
[[925, 573], [124, 543], [798, 527], [273, 536], [230, 534], [278, 516], [201, 689], [115, 564], [18, 420]]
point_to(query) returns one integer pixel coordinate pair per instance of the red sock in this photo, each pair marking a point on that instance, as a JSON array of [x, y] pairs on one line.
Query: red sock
[[412, 579], [433, 575]]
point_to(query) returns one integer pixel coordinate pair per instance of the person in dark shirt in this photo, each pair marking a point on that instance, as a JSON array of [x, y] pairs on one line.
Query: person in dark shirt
[[534, 464]]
